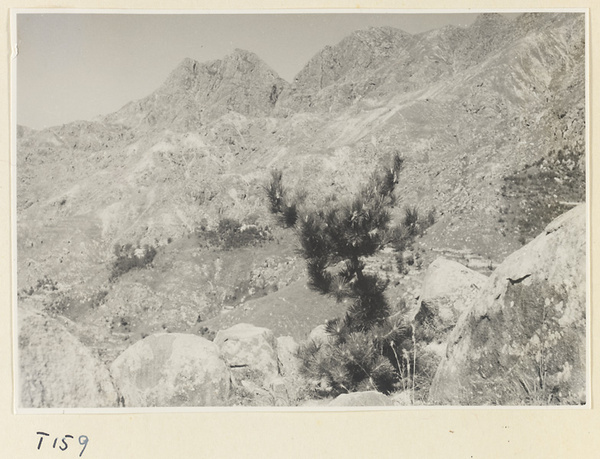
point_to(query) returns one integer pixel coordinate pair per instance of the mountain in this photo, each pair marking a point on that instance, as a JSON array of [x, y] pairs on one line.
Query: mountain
[[489, 118], [379, 61], [195, 93], [345, 71]]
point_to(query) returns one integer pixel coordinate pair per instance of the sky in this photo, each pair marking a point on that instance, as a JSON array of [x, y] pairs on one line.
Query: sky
[[79, 66]]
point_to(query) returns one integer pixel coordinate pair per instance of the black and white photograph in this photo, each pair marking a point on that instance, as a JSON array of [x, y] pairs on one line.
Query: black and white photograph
[[302, 210]]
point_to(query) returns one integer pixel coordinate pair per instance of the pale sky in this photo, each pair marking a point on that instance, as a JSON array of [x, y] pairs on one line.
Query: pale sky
[[78, 66]]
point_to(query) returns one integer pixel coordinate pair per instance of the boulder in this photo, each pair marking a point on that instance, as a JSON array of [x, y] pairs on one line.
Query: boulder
[[247, 392], [172, 369], [289, 366], [286, 355], [523, 340], [56, 370], [249, 347], [403, 398], [368, 398], [251, 354], [448, 289]]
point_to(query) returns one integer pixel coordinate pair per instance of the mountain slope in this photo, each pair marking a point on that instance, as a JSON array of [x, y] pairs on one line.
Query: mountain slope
[[489, 118]]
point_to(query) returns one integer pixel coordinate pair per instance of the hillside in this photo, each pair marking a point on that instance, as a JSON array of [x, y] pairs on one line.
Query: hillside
[[490, 120]]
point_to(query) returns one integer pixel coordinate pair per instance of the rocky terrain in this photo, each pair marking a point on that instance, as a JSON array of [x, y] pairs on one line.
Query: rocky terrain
[[145, 240]]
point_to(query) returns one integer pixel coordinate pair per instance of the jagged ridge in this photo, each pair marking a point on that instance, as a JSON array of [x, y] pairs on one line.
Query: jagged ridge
[[196, 93]]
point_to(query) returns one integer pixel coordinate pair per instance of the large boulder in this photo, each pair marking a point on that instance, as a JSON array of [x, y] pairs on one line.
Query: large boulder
[[286, 356], [251, 354], [247, 346], [172, 369], [56, 370], [523, 340], [368, 398], [448, 289], [289, 366]]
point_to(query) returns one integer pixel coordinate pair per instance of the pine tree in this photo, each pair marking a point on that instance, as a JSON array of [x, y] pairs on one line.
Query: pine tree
[[361, 350], [348, 232]]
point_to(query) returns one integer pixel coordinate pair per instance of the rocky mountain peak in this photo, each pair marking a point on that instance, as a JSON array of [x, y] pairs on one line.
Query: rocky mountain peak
[[181, 74], [361, 53], [381, 37], [187, 64], [243, 54], [490, 20], [196, 93]]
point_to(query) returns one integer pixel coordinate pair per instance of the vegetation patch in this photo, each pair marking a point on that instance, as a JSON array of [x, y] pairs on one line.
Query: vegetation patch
[[541, 192], [129, 257], [71, 304], [231, 234], [45, 284]]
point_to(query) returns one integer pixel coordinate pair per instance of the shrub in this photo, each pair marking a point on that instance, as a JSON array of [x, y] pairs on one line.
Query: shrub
[[411, 220], [279, 203], [64, 302], [353, 361], [129, 257], [45, 284], [228, 225], [231, 234], [289, 215], [275, 192]]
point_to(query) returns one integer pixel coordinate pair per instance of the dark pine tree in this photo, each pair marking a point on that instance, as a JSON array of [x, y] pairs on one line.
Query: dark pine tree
[[361, 350]]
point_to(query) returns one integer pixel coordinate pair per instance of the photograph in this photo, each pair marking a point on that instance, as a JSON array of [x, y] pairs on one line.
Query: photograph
[[300, 210]]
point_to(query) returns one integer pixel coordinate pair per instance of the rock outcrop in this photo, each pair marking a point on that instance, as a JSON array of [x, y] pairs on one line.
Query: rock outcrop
[[247, 346], [448, 289], [56, 370], [289, 366], [286, 350], [523, 341], [169, 370], [251, 354], [198, 92], [339, 75]]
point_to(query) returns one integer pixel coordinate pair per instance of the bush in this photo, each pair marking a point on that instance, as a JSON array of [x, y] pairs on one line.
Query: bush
[[228, 225], [289, 215], [279, 203], [45, 284], [231, 234], [355, 361], [275, 192], [64, 302], [411, 220], [130, 257]]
